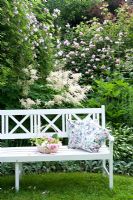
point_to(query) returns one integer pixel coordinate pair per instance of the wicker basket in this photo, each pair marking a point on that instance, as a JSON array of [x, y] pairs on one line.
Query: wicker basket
[[49, 148]]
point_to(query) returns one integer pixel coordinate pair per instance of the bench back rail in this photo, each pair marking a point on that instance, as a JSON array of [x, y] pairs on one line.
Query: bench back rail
[[24, 124]]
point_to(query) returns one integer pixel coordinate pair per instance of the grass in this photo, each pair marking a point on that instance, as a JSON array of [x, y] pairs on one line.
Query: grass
[[67, 186]]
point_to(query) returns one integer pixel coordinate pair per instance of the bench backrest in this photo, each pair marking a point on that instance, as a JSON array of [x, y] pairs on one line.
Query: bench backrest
[[22, 124]]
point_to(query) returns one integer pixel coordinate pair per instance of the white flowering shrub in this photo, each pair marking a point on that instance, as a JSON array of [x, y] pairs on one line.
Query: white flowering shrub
[[67, 88], [29, 103], [96, 49]]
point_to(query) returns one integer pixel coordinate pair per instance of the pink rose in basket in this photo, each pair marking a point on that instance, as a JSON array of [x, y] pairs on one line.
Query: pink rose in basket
[[53, 147]]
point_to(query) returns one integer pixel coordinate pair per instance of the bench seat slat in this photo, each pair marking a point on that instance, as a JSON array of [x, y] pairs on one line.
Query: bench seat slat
[[30, 154]]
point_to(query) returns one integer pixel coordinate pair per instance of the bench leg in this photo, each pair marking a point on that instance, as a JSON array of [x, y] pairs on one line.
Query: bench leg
[[111, 173], [20, 169], [104, 166], [17, 173]]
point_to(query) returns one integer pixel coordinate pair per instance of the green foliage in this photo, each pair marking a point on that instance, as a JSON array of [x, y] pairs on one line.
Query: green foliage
[[27, 48], [123, 144], [72, 11], [121, 167], [126, 66], [4, 73], [41, 91], [115, 95], [114, 4]]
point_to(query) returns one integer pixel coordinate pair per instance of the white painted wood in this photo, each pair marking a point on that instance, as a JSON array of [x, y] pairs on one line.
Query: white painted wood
[[107, 172], [6, 124], [19, 124], [51, 123], [103, 116], [111, 146], [34, 135], [20, 169], [31, 124], [70, 116], [35, 124], [51, 111], [104, 166], [31, 154], [2, 125], [35, 120], [76, 117], [39, 124], [36, 117], [93, 116], [111, 172], [98, 118], [111, 138], [111, 163], [66, 124], [17, 176], [88, 117], [63, 123]]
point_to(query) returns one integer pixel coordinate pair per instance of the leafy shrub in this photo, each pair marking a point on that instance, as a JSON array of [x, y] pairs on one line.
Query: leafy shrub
[[126, 67], [96, 49], [27, 48], [96, 11], [115, 95], [121, 167], [123, 144], [76, 11], [72, 11], [114, 4]]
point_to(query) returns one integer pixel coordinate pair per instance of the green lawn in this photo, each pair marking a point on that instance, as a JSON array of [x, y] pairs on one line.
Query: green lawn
[[67, 186]]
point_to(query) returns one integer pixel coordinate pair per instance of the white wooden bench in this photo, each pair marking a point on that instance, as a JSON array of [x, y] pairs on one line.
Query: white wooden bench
[[26, 124]]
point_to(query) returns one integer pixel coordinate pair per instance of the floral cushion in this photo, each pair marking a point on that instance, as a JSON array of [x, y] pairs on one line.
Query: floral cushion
[[75, 130], [86, 135]]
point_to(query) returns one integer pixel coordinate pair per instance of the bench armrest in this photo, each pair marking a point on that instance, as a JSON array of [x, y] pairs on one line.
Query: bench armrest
[[111, 142], [111, 138]]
